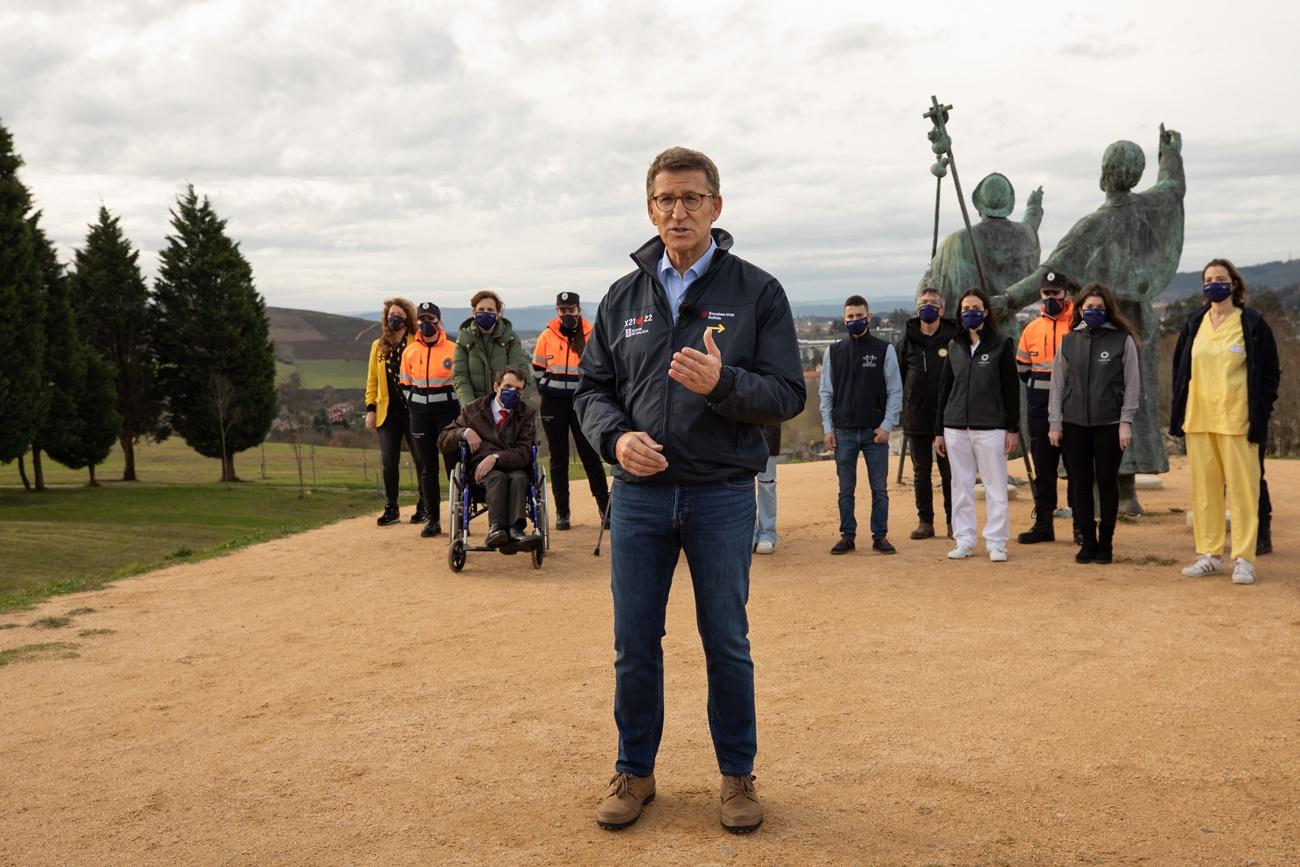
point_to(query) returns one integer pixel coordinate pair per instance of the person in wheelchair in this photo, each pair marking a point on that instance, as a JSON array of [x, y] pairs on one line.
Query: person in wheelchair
[[499, 429]]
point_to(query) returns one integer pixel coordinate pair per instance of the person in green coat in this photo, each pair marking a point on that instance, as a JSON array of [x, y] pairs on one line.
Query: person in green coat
[[487, 342]]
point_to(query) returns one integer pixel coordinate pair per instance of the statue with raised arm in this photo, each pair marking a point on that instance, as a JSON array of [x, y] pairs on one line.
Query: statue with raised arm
[[1008, 250], [1132, 245]]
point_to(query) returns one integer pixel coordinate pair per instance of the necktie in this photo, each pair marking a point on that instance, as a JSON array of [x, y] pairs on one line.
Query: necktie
[[505, 413]]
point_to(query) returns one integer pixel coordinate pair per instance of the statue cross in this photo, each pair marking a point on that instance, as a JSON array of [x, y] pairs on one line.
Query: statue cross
[[937, 113]]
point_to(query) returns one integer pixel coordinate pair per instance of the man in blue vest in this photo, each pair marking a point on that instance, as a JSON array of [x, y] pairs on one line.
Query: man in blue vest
[[861, 400]]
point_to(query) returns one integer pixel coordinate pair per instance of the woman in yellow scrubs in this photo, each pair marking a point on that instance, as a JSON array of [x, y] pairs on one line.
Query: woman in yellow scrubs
[[1226, 379]]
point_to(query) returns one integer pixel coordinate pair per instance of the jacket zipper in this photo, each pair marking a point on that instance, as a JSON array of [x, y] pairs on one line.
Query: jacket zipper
[[1092, 350]]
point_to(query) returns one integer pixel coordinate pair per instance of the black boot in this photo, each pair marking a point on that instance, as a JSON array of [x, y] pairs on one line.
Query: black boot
[[1264, 541], [433, 528], [1040, 532], [1088, 548], [1104, 547], [420, 515], [390, 516]]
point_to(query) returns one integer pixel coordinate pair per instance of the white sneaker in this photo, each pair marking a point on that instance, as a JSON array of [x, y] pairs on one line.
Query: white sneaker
[[997, 555], [1243, 572], [961, 552], [1206, 564], [764, 547]]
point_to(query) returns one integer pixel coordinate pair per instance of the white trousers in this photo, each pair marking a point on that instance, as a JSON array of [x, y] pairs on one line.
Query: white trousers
[[985, 451]]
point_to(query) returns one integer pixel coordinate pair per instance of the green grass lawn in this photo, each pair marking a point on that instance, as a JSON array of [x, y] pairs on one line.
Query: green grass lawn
[[173, 463], [69, 539], [320, 372]]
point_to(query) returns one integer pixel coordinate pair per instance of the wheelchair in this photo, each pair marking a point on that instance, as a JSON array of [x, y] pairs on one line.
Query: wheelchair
[[467, 500]]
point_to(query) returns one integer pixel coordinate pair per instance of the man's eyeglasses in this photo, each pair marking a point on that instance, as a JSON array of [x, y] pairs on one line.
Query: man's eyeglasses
[[690, 201]]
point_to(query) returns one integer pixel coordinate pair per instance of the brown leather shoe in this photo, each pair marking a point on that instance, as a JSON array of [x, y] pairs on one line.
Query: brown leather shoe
[[923, 531], [628, 794], [741, 810]]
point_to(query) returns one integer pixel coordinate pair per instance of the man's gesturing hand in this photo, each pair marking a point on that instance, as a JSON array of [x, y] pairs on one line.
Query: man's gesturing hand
[[639, 454], [696, 370]]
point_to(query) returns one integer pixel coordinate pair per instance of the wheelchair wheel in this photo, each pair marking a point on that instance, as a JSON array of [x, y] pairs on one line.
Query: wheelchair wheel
[[456, 556], [538, 555], [543, 514]]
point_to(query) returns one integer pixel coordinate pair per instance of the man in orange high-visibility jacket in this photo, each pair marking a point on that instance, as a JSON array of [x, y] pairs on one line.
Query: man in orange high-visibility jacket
[[431, 400], [555, 360], [1039, 343]]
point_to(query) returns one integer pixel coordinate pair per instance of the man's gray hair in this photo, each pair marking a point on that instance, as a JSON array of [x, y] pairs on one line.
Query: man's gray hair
[[680, 159]]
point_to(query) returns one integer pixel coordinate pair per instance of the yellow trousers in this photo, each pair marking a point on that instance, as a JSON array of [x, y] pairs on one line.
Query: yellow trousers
[[1219, 460]]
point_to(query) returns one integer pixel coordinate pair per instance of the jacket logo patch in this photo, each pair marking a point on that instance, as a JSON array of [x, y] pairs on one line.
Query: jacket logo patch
[[943, 352], [636, 325], [869, 360], [446, 362], [984, 358], [715, 315]]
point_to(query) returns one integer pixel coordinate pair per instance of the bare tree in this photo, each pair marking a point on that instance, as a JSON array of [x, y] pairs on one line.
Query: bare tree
[[221, 396]]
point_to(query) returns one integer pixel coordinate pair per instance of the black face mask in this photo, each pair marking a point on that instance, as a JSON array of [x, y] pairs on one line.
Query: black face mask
[[396, 323], [569, 323], [1053, 306], [428, 329]]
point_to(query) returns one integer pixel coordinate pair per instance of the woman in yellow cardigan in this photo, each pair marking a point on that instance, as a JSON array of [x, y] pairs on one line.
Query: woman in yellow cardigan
[[385, 406]]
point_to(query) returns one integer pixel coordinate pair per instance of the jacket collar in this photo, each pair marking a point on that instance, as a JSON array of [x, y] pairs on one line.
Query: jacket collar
[[647, 256], [554, 325], [1083, 326]]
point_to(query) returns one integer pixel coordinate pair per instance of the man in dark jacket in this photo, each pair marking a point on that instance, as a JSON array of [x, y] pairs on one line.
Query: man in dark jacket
[[921, 351], [690, 354], [499, 429]]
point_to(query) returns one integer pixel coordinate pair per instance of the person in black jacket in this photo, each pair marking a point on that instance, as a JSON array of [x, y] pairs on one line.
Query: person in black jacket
[[979, 409], [690, 355], [1092, 400], [1225, 381], [921, 352]]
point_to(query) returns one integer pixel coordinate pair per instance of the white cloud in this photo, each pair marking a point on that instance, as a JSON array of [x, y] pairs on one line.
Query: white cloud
[[363, 148]]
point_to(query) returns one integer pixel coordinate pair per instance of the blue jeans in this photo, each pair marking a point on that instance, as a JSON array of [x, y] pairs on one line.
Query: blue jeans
[[650, 526], [765, 521], [849, 443]]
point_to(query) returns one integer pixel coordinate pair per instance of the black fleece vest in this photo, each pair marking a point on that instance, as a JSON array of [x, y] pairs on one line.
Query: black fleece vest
[[858, 381], [1094, 389]]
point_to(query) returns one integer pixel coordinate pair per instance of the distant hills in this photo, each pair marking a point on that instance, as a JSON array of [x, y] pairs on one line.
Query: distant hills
[[1269, 275]]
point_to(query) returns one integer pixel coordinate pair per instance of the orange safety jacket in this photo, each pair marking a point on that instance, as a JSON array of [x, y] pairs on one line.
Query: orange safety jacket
[[426, 373], [556, 362], [1039, 343]]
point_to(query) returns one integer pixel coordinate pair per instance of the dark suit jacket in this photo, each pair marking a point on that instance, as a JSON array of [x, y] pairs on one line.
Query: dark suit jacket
[[513, 441]]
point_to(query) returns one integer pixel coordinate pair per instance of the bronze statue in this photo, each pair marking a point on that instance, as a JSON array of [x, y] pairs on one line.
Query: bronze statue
[[1131, 244], [1008, 250]]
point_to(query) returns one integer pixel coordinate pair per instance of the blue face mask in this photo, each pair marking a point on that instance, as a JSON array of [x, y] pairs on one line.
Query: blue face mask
[[486, 320], [1094, 316], [972, 318], [509, 397], [928, 313], [1217, 291], [856, 327]]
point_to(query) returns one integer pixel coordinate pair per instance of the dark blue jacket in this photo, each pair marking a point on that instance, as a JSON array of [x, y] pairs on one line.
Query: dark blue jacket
[[624, 373]]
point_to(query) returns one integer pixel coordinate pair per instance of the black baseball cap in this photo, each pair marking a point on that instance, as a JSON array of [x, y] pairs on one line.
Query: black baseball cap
[[566, 299], [1055, 280], [428, 308]]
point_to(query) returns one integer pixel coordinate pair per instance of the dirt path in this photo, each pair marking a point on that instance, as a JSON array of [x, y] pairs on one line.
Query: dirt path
[[342, 697]]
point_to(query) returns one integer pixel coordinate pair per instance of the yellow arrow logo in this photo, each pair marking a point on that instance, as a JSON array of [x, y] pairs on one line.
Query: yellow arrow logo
[[718, 328]]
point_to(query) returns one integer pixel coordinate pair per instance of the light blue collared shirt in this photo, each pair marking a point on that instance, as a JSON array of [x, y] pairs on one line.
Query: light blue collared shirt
[[893, 391], [676, 284]]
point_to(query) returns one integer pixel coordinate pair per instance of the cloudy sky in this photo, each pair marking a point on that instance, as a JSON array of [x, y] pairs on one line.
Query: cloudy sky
[[431, 149]]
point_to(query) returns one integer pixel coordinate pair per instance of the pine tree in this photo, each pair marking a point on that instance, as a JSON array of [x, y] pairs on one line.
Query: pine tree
[[210, 335], [63, 365], [22, 332], [112, 307]]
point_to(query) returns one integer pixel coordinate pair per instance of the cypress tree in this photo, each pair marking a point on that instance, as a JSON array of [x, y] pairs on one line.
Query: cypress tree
[[210, 335], [63, 368], [112, 308], [22, 331], [95, 419]]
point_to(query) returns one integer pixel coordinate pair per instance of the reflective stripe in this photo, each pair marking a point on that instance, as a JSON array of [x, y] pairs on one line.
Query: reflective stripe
[[1041, 384], [441, 397], [431, 382], [562, 384]]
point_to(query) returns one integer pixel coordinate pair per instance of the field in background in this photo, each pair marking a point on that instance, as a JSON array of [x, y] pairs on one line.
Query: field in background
[[320, 372], [70, 539]]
